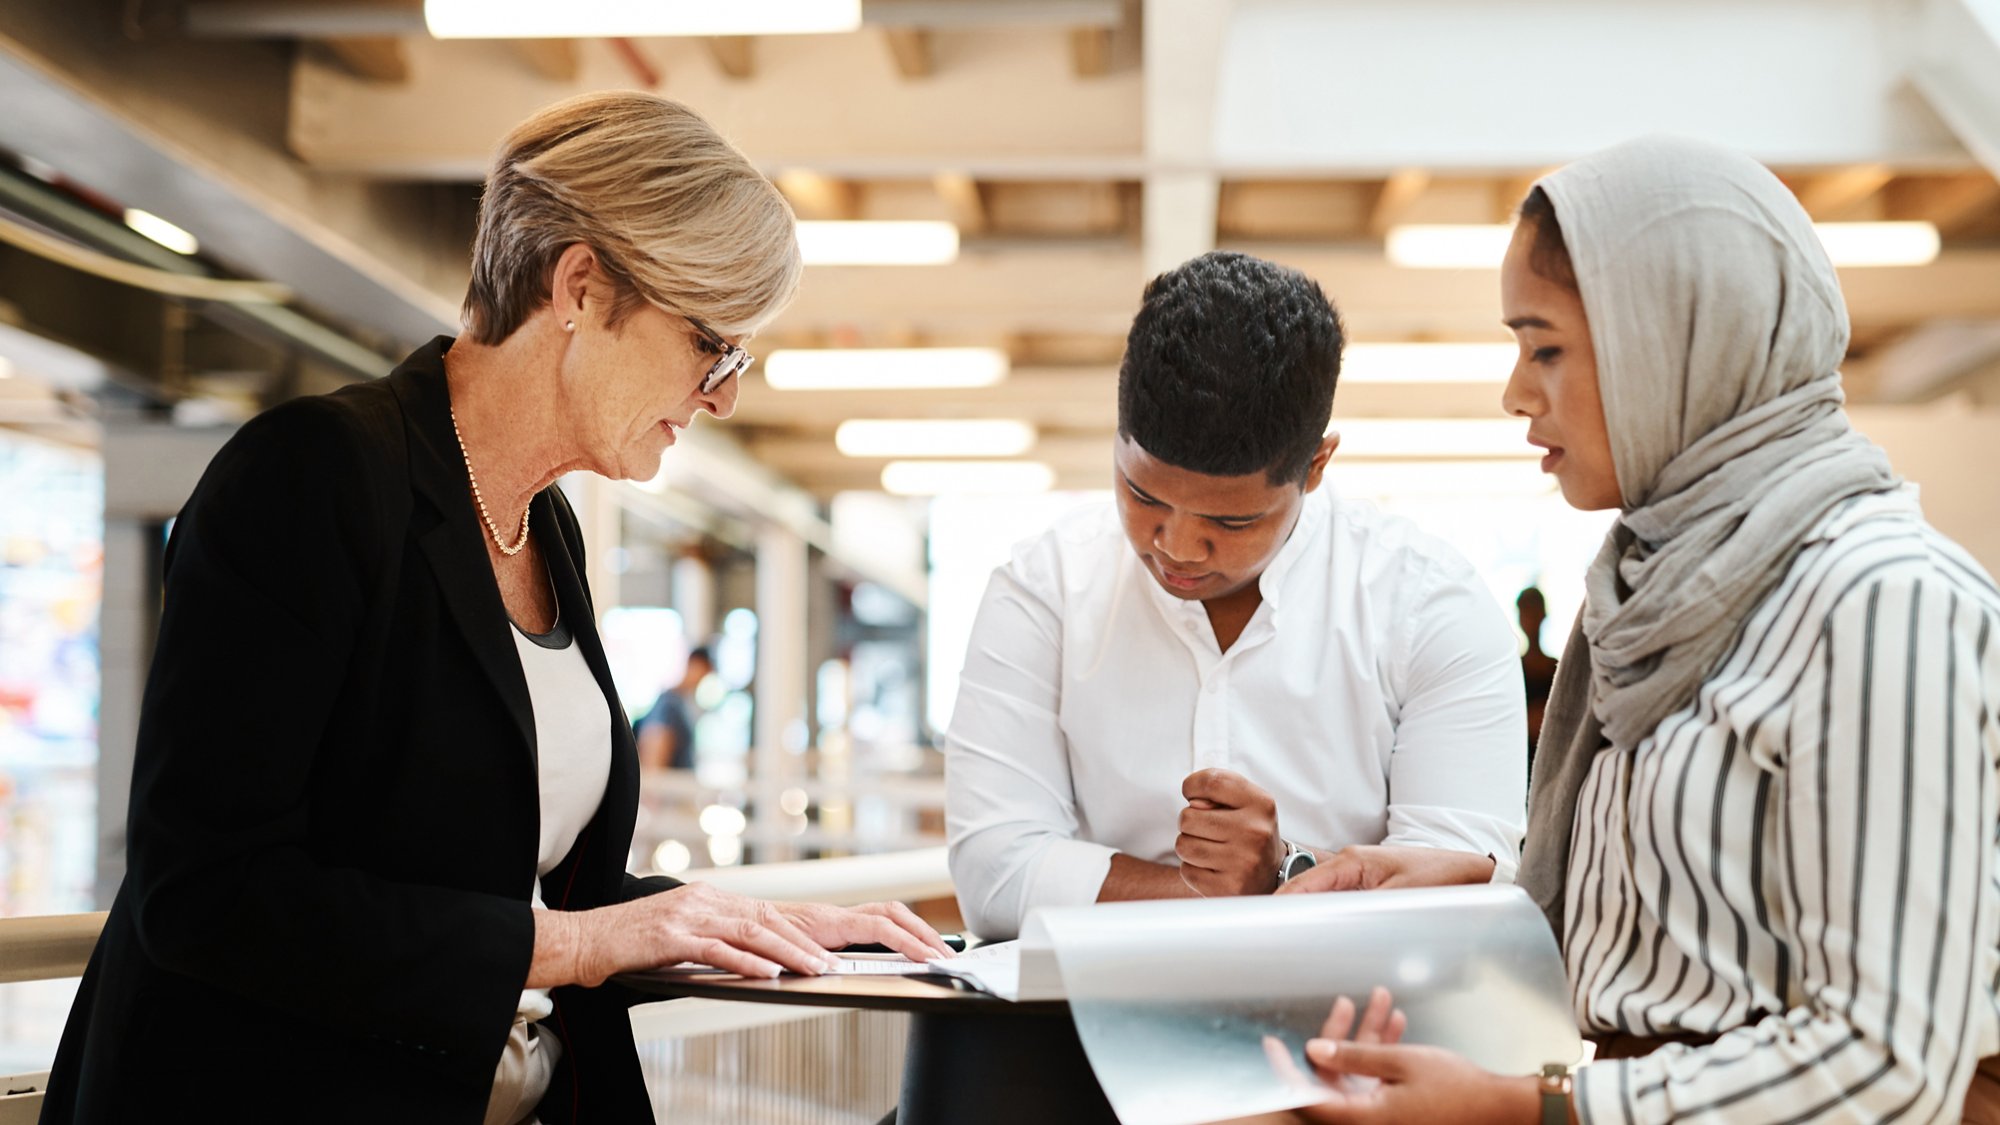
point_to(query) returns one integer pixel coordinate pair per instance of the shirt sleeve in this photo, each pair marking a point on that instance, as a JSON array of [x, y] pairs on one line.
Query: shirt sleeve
[[1458, 773], [1889, 802], [1010, 807]]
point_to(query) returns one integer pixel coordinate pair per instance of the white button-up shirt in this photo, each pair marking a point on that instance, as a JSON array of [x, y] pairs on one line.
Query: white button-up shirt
[[1376, 695]]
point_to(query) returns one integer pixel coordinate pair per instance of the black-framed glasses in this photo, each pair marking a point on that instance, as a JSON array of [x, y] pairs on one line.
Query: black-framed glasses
[[731, 360]]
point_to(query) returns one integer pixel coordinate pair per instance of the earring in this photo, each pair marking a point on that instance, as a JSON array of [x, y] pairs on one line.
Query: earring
[[569, 326]]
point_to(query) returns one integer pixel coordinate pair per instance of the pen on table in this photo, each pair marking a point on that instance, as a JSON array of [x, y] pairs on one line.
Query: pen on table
[[955, 942]]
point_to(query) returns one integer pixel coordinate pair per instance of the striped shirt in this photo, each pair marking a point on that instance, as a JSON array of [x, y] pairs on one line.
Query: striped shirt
[[1804, 860]]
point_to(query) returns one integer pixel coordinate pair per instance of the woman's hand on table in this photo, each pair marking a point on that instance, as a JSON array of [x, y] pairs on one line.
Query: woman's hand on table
[[698, 923], [1375, 1079], [888, 924], [1368, 867]]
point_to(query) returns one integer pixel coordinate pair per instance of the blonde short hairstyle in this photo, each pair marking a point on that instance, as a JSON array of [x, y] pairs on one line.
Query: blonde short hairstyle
[[676, 215]]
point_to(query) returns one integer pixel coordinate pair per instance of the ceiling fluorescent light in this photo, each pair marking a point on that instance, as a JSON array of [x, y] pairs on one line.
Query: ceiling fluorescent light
[[161, 231], [1879, 244], [924, 437], [617, 19], [877, 369], [1484, 245], [873, 243], [988, 478], [1427, 363], [1448, 246]]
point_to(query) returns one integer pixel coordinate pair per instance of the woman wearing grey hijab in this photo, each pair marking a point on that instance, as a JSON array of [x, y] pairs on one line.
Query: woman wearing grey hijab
[[1763, 815]]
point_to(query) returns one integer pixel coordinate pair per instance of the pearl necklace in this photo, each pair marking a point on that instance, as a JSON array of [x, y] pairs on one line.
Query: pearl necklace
[[474, 478]]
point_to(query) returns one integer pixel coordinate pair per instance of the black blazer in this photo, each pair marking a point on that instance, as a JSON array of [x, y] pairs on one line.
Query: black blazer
[[334, 809]]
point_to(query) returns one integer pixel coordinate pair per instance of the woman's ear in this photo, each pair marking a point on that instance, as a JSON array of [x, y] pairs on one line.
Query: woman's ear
[[573, 283]]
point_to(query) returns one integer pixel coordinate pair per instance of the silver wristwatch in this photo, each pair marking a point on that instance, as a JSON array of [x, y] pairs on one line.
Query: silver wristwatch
[[1296, 861]]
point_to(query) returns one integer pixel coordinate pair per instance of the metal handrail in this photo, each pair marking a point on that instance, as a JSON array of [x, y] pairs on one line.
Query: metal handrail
[[56, 946], [47, 946]]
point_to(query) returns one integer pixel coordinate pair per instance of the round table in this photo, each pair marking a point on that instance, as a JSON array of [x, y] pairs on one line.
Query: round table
[[973, 1059]]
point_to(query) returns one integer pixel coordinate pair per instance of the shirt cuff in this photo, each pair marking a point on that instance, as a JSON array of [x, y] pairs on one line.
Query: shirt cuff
[[1504, 869], [1598, 1090], [1069, 873]]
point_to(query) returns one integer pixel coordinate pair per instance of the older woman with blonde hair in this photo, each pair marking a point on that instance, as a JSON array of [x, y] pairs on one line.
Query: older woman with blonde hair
[[384, 791], [1765, 797]]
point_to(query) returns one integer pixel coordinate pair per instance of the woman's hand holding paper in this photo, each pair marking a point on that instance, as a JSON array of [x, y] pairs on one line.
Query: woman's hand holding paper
[[1374, 1078]]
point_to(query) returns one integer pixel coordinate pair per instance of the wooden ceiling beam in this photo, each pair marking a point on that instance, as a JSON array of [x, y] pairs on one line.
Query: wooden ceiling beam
[[1090, 51], [910, 47], [966, 201], [1398, 194], [376, 58], [734, 55], [1509, 191], [820, 197], [1950, 201], [1836, 195], [553, 59]]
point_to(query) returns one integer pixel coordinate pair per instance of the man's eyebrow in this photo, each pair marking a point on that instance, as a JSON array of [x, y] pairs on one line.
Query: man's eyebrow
[[1520, 322], [1144, 495]]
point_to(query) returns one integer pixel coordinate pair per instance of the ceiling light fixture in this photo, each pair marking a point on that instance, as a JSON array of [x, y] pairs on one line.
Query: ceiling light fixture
[[877, 369], [867, 242], [1483, 245], [161, 231], [986, 478], [1879, 244], [619, 19], [927, 437], [1427, 363]]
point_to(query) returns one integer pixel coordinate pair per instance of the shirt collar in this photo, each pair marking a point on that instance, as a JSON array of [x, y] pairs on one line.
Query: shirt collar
[[1314, 509]]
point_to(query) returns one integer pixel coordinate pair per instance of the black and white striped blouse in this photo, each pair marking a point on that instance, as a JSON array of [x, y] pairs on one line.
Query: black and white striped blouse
[[1805, 860]]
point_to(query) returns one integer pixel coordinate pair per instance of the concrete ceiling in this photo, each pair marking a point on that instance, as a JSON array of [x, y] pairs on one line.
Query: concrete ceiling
[[1080, 146]]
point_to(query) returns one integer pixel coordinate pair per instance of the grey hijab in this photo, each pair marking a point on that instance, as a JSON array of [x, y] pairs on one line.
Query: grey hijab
[[1719, 328]]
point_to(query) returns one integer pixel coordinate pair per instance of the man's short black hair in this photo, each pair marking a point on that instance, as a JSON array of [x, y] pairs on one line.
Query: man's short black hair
[[701, 653], [1230, 368]]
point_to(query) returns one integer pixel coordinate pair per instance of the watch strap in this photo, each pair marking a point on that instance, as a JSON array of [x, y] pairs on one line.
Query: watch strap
[[1556, 1084]]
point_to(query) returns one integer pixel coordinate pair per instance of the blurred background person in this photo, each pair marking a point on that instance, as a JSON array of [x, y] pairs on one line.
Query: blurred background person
[[1538, 668], [666, 731]]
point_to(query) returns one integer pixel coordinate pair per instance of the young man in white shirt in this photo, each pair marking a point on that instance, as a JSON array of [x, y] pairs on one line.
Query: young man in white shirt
[[1229, 674]]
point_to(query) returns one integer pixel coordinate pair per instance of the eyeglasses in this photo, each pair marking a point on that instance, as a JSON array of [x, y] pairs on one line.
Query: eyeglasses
[[731, 361]]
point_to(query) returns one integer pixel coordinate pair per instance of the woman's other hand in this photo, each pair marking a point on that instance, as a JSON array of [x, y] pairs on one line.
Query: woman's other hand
[[878, 923], [1381, 1022], [1369, 867], [1373, 1078]]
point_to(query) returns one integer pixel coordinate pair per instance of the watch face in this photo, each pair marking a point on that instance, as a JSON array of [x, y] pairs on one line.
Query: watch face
[[1298, 863]]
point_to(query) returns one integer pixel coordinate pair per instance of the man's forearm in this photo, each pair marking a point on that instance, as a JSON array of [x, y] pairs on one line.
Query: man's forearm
[[1131, 878]]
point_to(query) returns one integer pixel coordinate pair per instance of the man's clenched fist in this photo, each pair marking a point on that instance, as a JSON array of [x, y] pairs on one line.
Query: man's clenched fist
[[1229, 841]]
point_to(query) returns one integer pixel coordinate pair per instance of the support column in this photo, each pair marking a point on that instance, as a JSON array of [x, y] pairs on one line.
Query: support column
[[126, 624], [598, 513], [777, 759]]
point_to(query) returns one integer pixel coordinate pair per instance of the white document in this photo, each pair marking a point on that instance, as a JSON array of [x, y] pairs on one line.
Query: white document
[[882, 964], [1189, 1008]]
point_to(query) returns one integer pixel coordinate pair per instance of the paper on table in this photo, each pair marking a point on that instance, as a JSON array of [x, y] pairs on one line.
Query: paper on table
[[993, 968], [1173, 999], [893, 964]]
